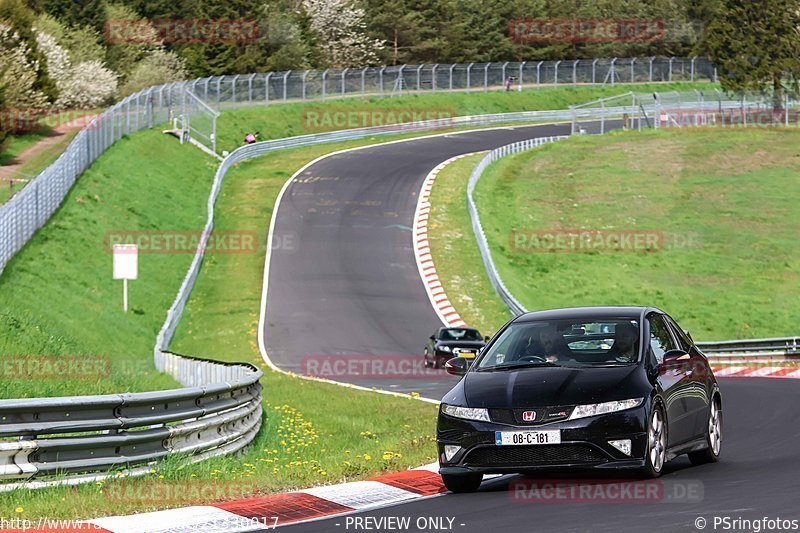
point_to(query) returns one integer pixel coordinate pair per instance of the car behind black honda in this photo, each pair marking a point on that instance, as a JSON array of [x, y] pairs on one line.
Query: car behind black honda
[[447, 343], [588, 387]]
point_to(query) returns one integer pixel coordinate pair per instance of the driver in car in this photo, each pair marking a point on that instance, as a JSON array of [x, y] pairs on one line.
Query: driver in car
[[554, 346]]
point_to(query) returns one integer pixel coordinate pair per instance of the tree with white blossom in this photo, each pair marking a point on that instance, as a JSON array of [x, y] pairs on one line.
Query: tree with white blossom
[[18, 72], [340, 28], [85, 85]]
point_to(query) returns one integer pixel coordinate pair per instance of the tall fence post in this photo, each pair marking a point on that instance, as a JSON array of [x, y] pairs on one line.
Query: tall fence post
[[344, 73], [286, 85], [613, 70], [364, 80], [469, 67]]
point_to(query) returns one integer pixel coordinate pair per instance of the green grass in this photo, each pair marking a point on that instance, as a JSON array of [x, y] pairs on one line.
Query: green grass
[[734, 192], [351, 435], [301, 118], [57, 297], [457, 259]]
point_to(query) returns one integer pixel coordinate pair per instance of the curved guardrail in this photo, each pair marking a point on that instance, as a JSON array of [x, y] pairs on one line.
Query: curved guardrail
[[483, 244], [751, 350], [77, 439]]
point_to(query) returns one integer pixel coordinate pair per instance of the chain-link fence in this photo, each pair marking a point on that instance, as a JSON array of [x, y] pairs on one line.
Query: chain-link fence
[[196, 103], [225, 91]]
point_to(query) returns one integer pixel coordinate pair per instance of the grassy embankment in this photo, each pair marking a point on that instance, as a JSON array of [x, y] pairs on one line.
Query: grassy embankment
[[727, 203]]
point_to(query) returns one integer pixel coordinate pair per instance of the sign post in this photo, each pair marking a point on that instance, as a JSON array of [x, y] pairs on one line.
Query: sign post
[[126, 266]]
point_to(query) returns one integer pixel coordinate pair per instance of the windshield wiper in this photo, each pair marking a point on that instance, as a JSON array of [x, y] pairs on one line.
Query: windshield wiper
[[517, 364]]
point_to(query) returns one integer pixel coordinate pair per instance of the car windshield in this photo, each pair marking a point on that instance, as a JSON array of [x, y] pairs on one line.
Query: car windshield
[[571, 342], [460, 334]]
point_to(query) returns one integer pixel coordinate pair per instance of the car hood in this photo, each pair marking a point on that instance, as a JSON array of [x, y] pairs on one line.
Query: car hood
[[547, 386]]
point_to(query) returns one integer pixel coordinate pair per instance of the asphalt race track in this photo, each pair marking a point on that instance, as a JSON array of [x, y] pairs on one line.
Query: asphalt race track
[[349, 285], [346, 283], [756, 477]]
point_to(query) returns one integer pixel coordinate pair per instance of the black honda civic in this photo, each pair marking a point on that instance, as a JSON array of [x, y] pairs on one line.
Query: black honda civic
[[586, 387]]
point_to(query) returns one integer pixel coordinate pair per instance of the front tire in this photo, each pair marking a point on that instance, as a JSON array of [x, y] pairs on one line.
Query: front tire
[[656, 454], [713, 437], [461, 483], [428, 364]]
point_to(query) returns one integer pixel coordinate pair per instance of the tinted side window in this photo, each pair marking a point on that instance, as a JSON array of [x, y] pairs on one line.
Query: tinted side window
[[683, 340], [660, 338]]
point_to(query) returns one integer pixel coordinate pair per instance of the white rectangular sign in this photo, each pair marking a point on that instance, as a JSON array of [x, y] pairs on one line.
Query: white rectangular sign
[[126, 261]]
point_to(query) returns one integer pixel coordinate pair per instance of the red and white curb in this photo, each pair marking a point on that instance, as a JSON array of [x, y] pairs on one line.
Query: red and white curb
[[740, 371], [422, 251], [267, 512]]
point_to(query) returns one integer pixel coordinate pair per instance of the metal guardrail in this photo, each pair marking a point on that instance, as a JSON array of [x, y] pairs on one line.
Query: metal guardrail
[[29, 209], [82, 438], [751, 350], [773, 350], [78, 439], [781, 345], [483, 245]]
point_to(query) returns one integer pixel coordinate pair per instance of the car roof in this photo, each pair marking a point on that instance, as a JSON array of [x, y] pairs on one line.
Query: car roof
[[608, 311], [466, 328]]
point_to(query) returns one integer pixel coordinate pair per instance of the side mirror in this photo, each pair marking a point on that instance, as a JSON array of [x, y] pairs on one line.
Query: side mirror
[[675, 356], [486, 338], [432, 337], [457, 366]]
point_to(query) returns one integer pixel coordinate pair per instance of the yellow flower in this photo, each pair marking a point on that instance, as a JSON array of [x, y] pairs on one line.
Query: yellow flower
[[19, 509]]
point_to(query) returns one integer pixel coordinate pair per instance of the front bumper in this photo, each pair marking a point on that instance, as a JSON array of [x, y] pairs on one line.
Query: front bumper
[[584, 444]]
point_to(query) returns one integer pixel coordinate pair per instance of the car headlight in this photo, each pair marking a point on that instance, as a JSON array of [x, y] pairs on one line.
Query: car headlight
[[467, 413], [582, 411], [445, 348]]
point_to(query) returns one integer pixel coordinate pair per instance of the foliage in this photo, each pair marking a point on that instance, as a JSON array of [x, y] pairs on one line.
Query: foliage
[[157, 68], [756, 46], [85, 85], [18, 72], [340, 28]]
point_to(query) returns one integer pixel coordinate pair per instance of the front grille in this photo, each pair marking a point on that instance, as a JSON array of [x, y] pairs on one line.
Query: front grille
[[466, 439], [543, 415], [534, 455]]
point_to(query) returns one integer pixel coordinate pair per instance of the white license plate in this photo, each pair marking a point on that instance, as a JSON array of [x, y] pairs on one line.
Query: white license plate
[[527, 438]]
